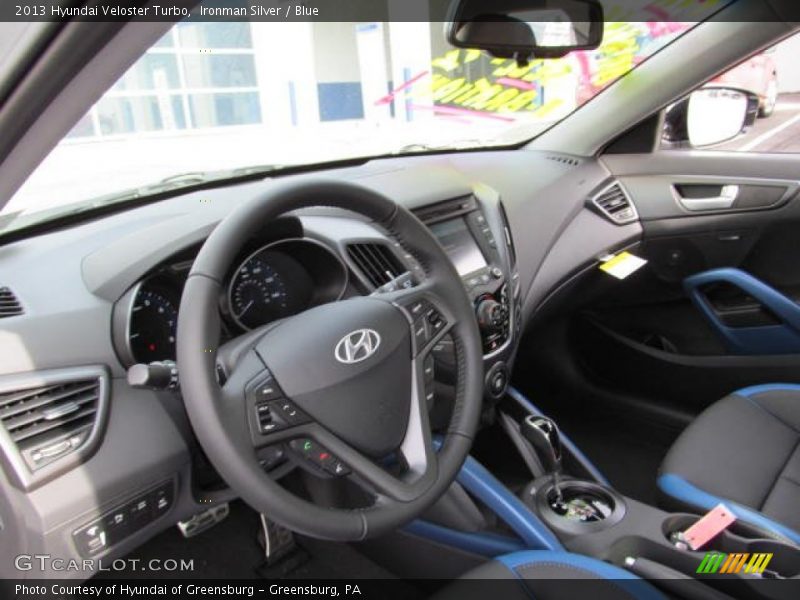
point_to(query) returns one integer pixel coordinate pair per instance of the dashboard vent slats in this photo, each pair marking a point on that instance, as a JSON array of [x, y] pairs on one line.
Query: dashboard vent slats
[[376, 262], [614, 203], [9, 304], [566, 160], [48, 422]]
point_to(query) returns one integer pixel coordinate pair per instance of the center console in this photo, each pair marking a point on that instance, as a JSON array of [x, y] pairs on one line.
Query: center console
[[589, 517], [476, 238], [568, 505]]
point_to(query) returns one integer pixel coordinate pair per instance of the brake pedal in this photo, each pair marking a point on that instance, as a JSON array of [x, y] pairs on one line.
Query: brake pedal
[[203, 521]]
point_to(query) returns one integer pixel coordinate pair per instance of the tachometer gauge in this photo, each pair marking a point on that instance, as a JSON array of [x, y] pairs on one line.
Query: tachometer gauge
[[258, 294], [154, 320]]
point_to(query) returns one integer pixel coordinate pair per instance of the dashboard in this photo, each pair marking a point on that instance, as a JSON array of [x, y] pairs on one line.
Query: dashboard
[[118, 282]]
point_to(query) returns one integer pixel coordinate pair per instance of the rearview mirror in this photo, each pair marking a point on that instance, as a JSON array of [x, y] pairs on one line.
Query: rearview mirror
[[525, 29], [709, 116]]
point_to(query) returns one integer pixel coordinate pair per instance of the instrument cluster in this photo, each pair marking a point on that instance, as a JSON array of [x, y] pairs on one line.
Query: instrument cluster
[[275, 281]]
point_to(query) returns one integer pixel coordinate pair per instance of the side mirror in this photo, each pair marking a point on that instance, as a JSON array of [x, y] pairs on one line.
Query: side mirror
[[709, 116], [525, 29]]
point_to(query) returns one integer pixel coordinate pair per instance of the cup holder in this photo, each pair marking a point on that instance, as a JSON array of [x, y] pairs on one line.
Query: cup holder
[[738, 530], [740, 538]]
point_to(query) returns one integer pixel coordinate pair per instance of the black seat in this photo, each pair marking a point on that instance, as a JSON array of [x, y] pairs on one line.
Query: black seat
[[743, 451], [549, 575]]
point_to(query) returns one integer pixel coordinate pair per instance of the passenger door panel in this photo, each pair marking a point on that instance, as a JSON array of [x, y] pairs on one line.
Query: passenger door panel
[[670, 323]]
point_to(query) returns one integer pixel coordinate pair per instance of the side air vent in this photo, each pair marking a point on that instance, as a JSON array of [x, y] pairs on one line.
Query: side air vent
[[566, 160], [615, 204], [9, 304], [50, 416], [377, 262]]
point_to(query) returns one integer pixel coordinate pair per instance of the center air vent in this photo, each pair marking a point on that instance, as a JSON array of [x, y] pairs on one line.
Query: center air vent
[[51, 415], [376, 262], [614, 203], [9, 304]]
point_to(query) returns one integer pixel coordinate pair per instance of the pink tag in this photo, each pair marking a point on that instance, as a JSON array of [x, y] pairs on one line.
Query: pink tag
[[715, 521]]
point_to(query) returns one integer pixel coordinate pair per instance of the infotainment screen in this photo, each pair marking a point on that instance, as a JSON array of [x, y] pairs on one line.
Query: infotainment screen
[[459, 244]]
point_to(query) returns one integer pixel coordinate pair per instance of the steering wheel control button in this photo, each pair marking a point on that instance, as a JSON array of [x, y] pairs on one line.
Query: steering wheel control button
[[428, 322], [267, 423], [436, 322], [289, 412], [421, 334], [268, 391], [428, 369], [338, 469], [418, 308], [264, 388], [277, 415], [271, 456], [319, 456]]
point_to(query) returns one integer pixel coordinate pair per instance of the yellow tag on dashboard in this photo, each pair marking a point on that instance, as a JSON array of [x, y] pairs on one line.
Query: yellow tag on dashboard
[[622, 264]]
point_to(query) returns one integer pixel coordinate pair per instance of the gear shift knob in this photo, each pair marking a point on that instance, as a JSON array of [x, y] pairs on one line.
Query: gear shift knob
[[543, 435]]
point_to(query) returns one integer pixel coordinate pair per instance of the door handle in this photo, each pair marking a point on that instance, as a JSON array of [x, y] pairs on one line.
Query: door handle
[[725, 200]]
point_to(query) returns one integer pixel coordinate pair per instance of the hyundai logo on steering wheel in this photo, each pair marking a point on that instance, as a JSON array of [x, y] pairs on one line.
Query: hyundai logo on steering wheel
[[357, 346]]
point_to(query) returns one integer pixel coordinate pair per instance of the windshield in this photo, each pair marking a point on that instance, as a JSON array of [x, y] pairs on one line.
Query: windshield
[[218, 98]]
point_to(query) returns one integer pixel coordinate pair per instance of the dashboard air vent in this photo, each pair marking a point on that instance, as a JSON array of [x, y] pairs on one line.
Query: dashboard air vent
[[9, 304], [376, 262], [614, 203], [48, 422], [566, 160]]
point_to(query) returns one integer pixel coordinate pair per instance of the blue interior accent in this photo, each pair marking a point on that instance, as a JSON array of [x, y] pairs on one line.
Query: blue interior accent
[[633, 585], [677, 487], [767, 387], [485, 544], [523, 401], [474, 478], [486, 488], [783, 338]]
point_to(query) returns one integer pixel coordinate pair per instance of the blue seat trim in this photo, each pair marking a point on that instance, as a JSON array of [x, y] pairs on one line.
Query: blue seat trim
[[677, 487], [751, 391], [485, 487], [484, 544], [523, 401], [633, 585]]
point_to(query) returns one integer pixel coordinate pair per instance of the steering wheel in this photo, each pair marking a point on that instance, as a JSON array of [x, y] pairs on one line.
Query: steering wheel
[[345, 380]]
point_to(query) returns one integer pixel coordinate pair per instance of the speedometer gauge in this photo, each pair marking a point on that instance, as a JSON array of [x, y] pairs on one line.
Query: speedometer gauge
[[258, 294]]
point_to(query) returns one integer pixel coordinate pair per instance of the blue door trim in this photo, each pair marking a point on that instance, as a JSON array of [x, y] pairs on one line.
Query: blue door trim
[[783, 338]]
